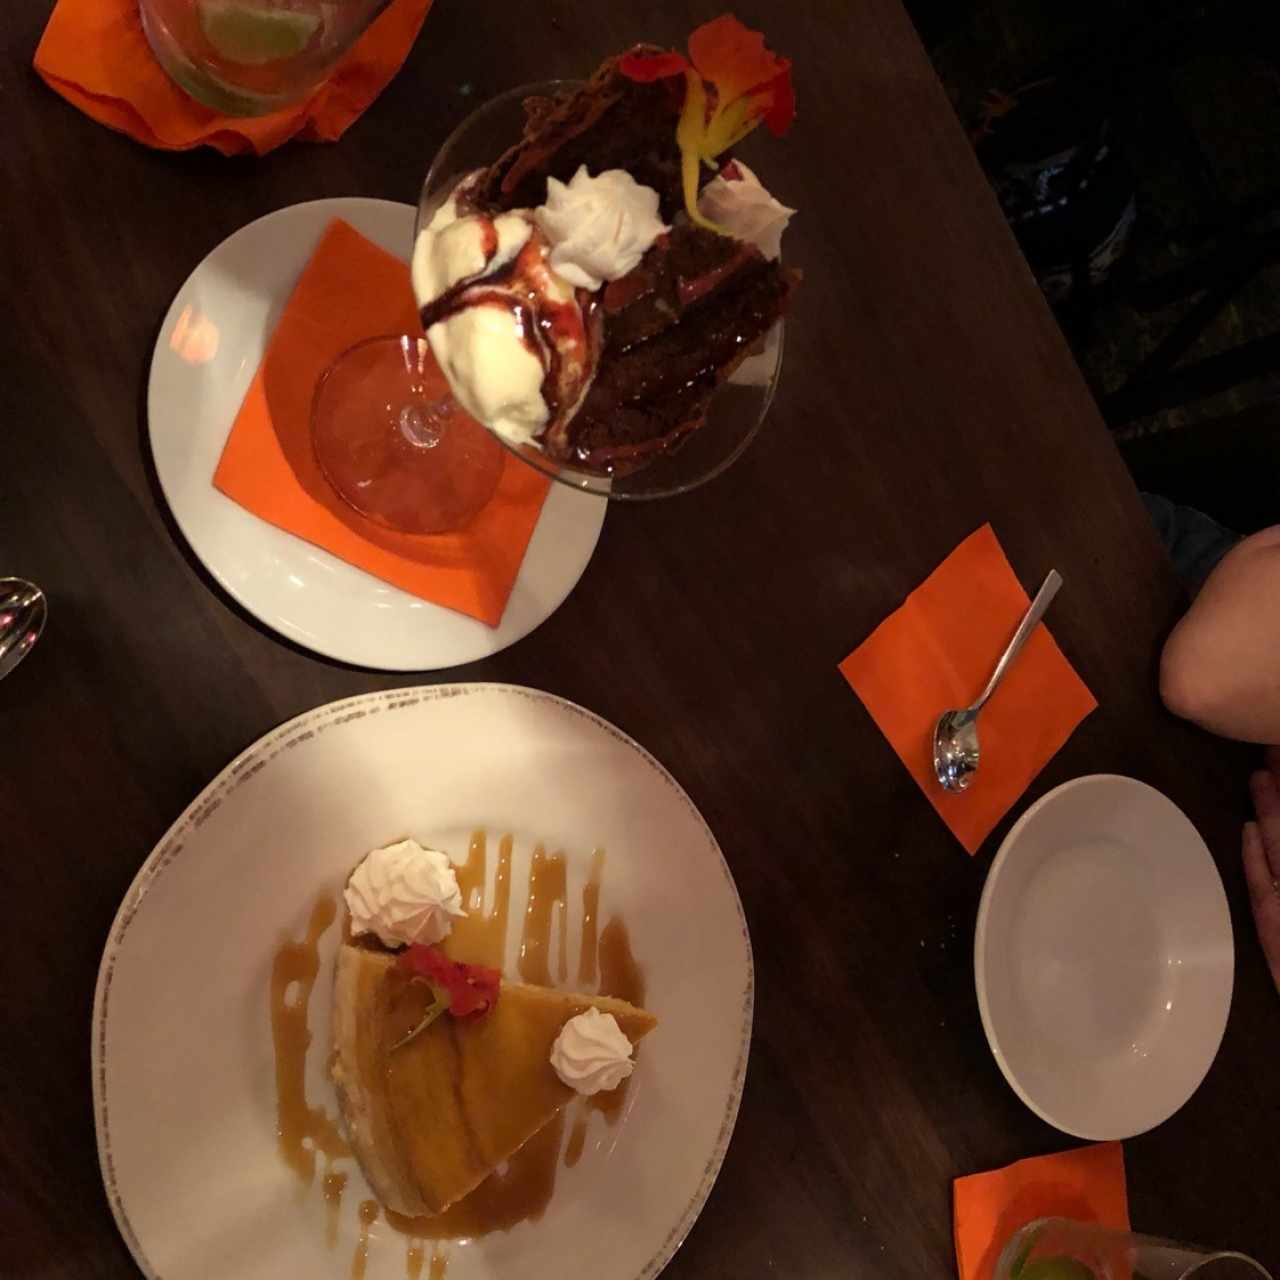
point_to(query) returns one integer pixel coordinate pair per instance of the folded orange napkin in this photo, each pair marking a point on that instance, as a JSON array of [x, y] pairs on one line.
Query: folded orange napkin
[[350, 290], [94, 53], [1086, 1184], [937, 651]]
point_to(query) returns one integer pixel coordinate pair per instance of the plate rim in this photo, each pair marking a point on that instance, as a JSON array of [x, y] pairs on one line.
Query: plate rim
[[317, 644], [170, 845], [980, 947]]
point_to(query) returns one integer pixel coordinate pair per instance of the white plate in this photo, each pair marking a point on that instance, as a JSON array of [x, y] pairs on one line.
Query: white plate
[[1104, 958], [183, 1085], [304, 593]]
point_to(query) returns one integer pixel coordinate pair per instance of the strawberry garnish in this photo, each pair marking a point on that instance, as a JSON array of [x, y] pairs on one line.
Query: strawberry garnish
[[466, 988]]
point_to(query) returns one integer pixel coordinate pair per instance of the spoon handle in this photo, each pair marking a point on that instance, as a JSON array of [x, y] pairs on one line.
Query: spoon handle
[[1044, 597]]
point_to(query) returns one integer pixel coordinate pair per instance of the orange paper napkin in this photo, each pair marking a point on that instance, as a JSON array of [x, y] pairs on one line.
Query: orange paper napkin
[[350, 290], [938, 651], [1086, 1184], [94, 53]]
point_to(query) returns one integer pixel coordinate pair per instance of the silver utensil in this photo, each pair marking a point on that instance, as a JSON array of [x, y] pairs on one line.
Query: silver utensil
[[23, 612], [955, 737]]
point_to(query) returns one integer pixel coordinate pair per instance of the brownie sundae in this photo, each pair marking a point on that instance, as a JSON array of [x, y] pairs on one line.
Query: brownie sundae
[[588, 292]]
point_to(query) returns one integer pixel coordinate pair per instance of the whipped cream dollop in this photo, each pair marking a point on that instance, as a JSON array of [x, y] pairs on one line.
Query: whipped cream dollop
[[599, 228], [591, 1054], [404, 894], [736, 200]]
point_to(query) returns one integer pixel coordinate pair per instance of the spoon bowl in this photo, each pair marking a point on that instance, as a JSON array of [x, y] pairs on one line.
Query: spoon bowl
[[955, 749], [23, 613]]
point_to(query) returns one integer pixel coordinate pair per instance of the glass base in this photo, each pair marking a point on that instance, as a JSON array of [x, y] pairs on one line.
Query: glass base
[[395, 445]]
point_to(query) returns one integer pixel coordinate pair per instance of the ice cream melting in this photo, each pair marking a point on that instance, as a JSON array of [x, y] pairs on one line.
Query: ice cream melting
[[508, 301]]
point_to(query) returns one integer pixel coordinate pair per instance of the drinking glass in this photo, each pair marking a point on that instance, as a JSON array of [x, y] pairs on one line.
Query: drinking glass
[[250, 57], [406, 418], [1062, 1249]]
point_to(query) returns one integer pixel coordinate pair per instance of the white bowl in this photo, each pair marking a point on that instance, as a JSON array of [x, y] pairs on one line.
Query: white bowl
[[1103, 958]]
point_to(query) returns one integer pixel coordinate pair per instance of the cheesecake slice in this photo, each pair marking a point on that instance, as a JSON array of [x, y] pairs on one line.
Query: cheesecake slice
[[431, 1119]]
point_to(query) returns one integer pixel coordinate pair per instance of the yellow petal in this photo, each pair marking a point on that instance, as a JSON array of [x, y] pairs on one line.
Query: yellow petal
[[690, 163], [731, 123], [691, 134], [693, 116]]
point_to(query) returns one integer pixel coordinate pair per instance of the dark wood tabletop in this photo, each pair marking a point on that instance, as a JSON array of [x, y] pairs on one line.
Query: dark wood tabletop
[[927, 389]]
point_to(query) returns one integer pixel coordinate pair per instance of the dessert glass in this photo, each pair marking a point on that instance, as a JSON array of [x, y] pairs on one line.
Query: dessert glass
[[405, 414]]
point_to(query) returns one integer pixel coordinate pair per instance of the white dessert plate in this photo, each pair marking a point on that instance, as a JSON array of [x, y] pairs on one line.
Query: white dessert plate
[[231, 303], [183, 1066], [1104, 958]]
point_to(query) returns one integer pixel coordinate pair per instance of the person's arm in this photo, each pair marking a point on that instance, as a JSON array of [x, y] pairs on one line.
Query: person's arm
[[1262, 859], [1221, 666]]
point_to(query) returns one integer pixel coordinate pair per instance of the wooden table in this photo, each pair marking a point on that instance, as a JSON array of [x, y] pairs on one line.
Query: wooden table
[[927, 390]]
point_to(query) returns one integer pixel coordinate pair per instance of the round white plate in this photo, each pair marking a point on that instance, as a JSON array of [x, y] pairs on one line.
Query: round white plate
[[235, 297], [183, 1076], [1104, 958]]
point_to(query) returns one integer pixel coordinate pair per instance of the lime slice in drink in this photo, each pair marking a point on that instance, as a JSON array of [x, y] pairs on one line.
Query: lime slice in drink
[[253, 34], [1057, 1269]]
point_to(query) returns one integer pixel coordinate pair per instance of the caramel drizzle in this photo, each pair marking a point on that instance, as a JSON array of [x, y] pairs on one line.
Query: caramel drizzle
[[296, 965], [360, 1259], [481, 937], [587, 952], [332, 1185], [620, 976], [416, 1256], [548, 893]]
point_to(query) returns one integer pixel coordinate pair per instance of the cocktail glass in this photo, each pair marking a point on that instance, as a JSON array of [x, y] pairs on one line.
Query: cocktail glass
[[397, 430], [251, 57]]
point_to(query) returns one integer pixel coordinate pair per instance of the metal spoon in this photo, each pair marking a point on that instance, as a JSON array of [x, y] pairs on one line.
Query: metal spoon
[[955, 737], [23, 612]]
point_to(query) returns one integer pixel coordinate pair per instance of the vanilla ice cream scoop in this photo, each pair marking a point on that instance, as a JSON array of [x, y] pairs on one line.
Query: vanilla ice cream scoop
[[511, 336], [506, 298]]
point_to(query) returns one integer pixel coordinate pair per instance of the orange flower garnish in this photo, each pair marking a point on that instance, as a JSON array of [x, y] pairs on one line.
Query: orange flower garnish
[[732, 83]]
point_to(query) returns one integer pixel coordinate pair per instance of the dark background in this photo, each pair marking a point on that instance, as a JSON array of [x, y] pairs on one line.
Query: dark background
[[1196, 88]]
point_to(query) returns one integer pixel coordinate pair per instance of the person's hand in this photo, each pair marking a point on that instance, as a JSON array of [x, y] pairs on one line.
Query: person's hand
[[1262, 859]]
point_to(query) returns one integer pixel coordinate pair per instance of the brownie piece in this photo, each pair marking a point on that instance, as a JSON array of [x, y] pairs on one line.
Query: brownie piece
[[609, 123], [647, 396], [681, 269]]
